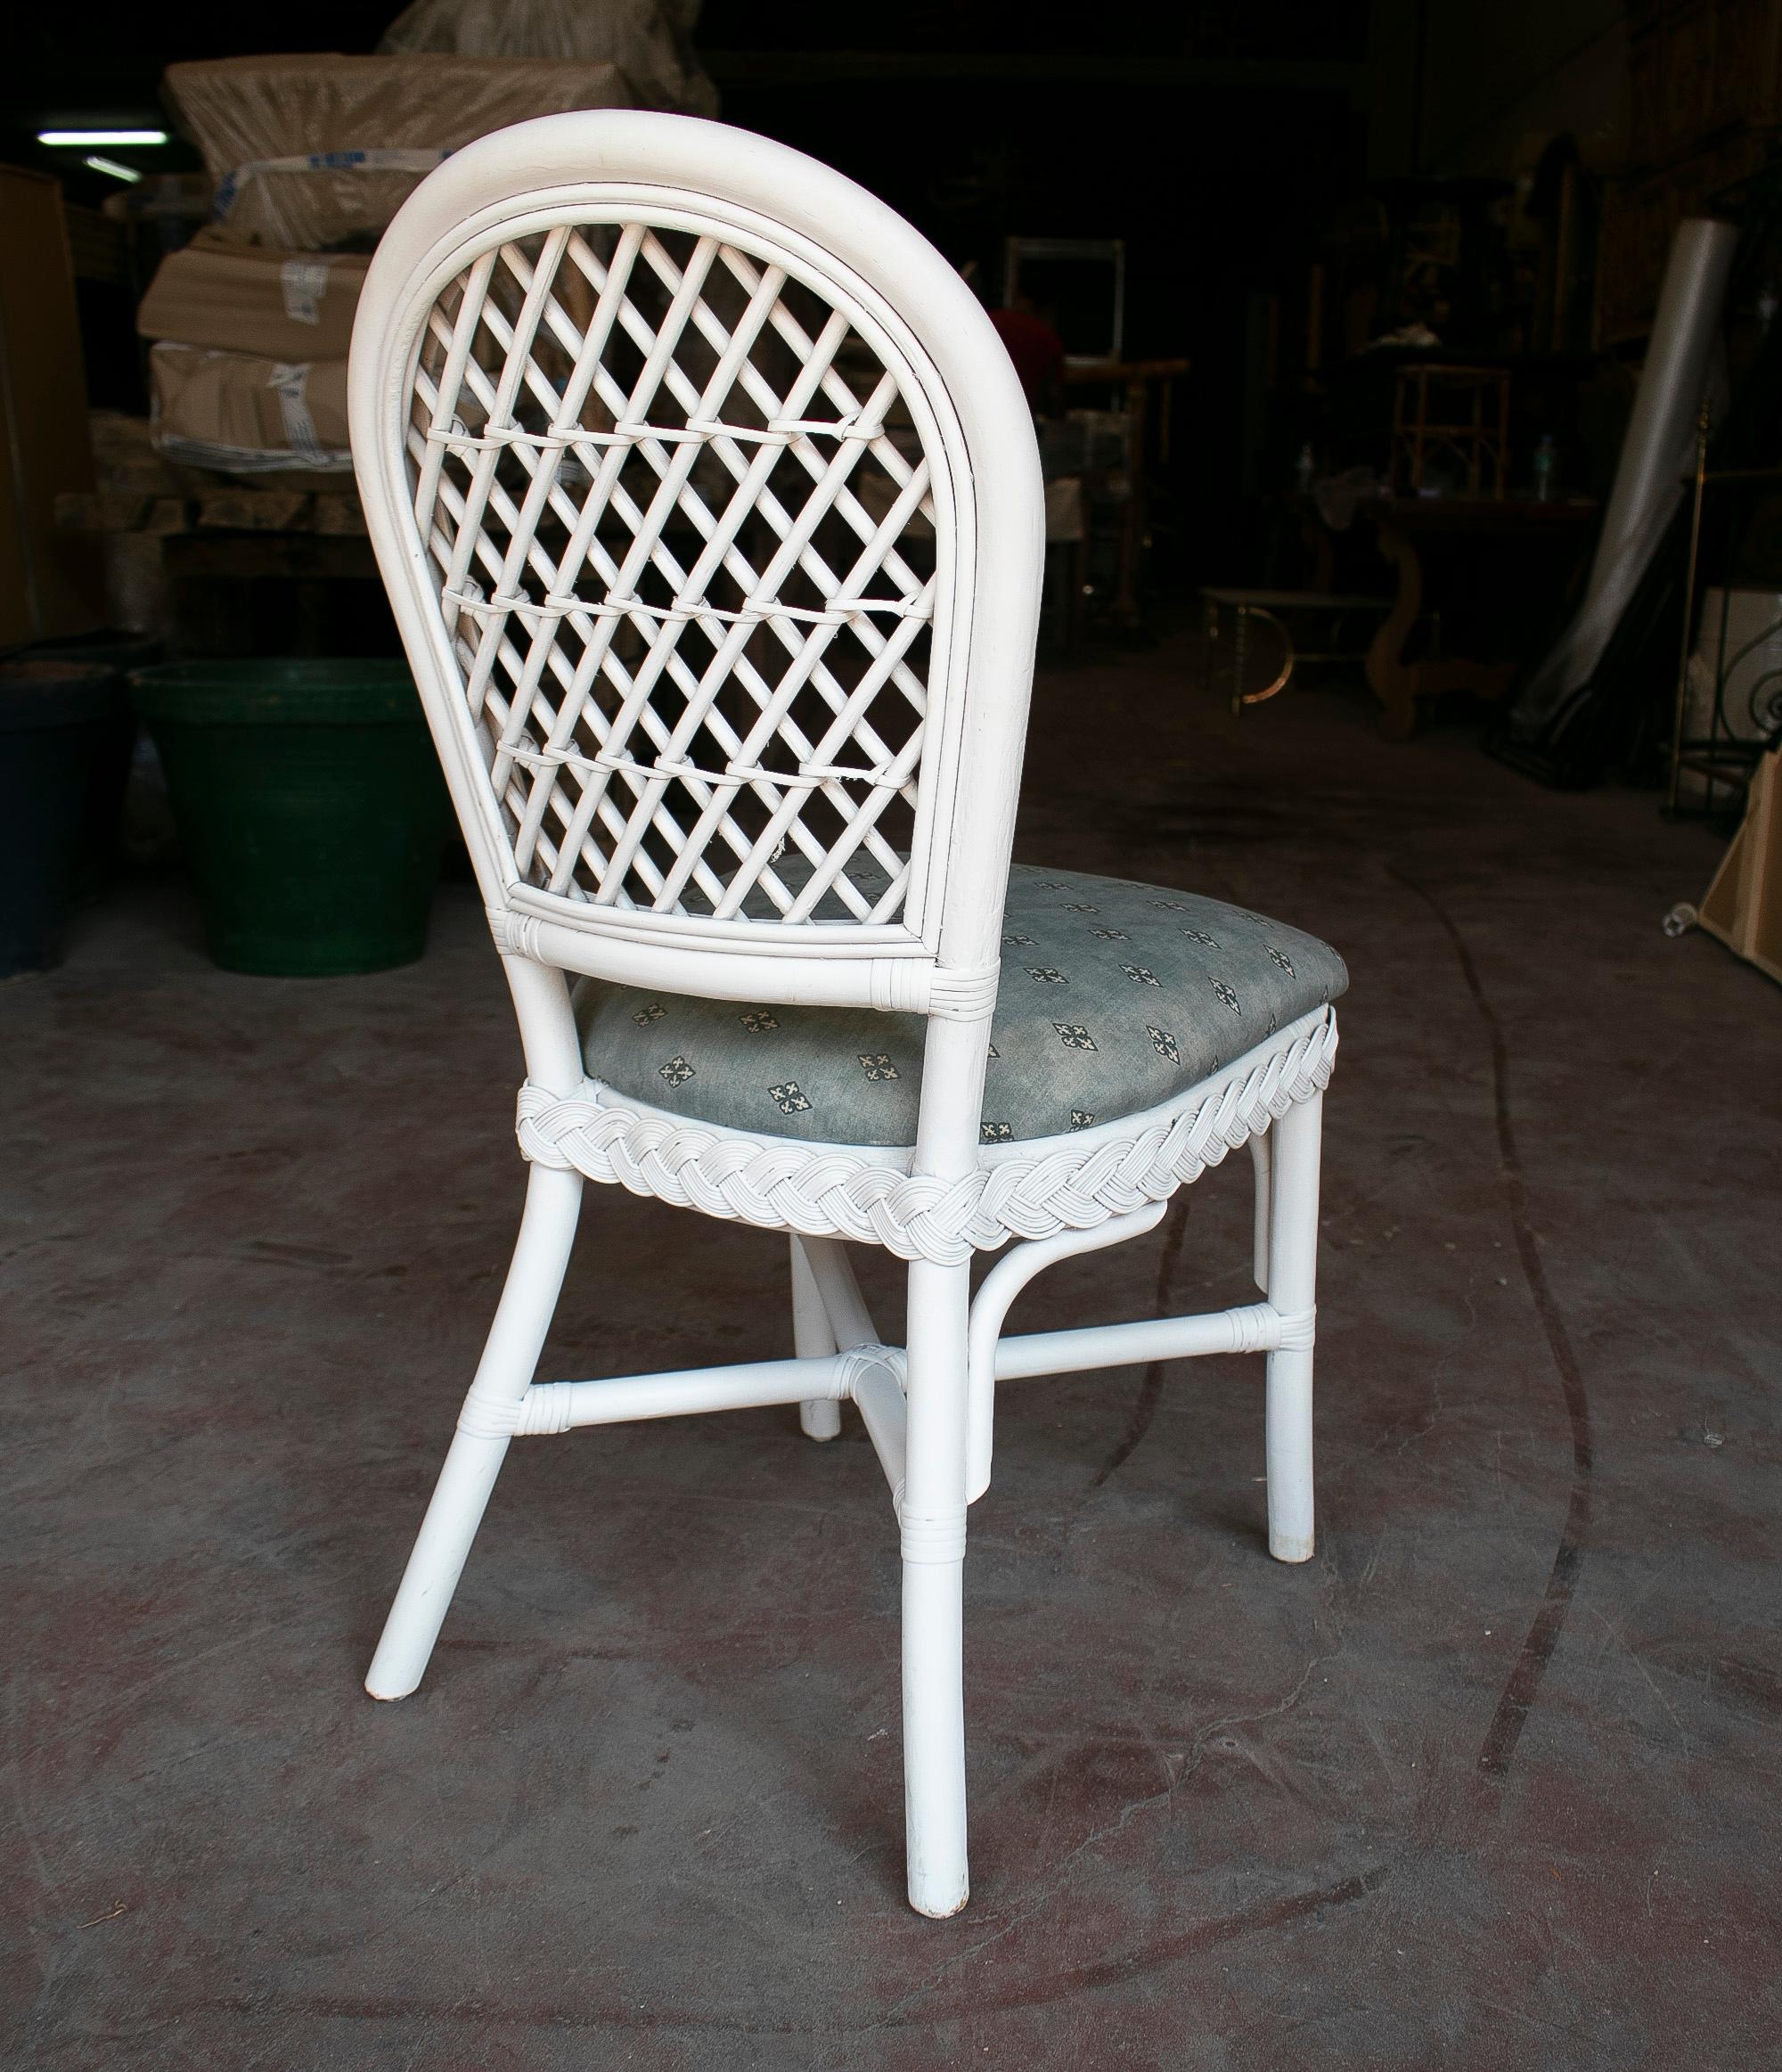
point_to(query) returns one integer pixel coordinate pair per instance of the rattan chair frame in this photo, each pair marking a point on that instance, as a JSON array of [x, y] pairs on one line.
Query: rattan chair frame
[[678, 888]]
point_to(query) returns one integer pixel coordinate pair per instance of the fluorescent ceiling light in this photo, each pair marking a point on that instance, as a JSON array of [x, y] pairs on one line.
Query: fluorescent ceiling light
[[118, 172], [86, 139]]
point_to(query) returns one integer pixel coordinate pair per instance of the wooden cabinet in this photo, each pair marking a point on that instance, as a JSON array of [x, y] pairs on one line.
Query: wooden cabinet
[[1705, 109], [51, 584]]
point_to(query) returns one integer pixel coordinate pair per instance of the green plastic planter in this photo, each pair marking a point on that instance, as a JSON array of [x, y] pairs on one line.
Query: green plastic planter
[[310, 806]]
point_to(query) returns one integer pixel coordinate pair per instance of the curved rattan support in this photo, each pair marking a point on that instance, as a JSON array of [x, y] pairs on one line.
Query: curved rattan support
[[990, 1309], [1061, 1183]]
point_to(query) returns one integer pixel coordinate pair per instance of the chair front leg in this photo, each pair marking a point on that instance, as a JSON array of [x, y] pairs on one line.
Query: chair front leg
[[812, 1338], [534, 1280], [1291, 1266], [932, 1518]]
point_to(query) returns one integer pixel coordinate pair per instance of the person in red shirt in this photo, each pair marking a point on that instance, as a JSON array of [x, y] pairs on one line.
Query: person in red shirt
[[1037, 351]]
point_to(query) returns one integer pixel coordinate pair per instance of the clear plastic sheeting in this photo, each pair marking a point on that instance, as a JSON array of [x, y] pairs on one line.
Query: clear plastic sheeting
[[1655, 455], [651, 41], [315, 151]]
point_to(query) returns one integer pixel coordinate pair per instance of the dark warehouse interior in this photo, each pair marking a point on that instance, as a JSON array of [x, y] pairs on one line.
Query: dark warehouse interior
[[1405, 398]]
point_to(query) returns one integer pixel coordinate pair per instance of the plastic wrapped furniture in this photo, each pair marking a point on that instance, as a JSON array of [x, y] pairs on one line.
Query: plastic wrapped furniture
[[651, 41], [737, 765]]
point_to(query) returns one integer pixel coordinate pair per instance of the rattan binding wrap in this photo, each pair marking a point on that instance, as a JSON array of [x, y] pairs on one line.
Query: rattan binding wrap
[[821, 1192]]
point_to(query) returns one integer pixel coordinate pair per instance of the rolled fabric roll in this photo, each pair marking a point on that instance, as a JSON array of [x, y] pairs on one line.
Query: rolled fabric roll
[[1654, 456]]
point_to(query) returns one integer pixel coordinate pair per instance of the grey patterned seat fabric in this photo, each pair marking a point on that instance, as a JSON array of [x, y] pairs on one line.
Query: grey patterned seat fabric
[[1113, 998]]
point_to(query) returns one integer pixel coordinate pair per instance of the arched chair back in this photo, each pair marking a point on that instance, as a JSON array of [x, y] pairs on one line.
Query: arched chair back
[[709, 507]]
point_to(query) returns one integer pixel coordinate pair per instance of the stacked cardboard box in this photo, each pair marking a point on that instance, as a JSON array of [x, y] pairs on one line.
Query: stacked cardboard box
[[312, 155], [249, 369]]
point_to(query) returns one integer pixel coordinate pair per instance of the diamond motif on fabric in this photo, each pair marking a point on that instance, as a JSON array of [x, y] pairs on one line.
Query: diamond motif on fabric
[[996, 1132], [876, 1065], [1047, 975], [1073, 1035], [759, 1022], [1140, 975], [1164, 1041], [1081, 1118], [1226, 995], [644, 1016], [1023, 942], [1281, 958], [1081, 909], [1199, 935], [1112, 935], [789, 1098], [677, 1071], [1175, 905], [993, 1052]]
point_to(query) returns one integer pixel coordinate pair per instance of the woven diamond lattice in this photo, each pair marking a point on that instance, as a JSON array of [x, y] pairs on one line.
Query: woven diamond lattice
[[684, 532]]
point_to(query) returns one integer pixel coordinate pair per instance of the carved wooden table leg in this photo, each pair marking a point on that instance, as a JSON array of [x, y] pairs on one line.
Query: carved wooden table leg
[[1397, 684], [1390, 677]]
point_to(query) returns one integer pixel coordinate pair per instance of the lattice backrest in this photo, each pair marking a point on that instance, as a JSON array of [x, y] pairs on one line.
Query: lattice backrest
[[682, 456]]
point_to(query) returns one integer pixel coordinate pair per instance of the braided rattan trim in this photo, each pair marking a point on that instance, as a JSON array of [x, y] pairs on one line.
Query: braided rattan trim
[[832, 1193]]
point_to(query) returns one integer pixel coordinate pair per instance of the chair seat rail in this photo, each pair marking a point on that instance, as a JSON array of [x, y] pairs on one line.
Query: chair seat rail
[[871, 1197]]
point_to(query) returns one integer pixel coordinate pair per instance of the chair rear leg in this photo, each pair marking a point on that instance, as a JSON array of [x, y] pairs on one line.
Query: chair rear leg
[[1293, 1289], [932, 1518], [811, 1338], [510, 1359], [1262, 1156]]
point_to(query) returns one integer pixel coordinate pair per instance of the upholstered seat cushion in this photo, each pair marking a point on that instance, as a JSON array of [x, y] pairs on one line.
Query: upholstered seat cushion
[[1113, 998]]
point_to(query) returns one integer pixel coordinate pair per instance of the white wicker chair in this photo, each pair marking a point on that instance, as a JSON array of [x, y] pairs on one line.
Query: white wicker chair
[[708, 506]]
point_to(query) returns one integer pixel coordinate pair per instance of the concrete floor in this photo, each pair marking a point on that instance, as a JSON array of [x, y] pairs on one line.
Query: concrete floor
[[1493, 1782]]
